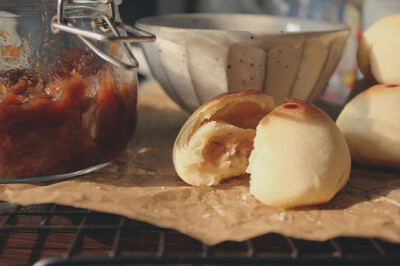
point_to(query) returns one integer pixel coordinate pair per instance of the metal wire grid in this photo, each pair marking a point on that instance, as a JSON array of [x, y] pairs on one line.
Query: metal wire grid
[[60, 235]]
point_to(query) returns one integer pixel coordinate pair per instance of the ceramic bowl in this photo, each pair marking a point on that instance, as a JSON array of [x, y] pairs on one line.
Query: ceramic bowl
[[198, 56]]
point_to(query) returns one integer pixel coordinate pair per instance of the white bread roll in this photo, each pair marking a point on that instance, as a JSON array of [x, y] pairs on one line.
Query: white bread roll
[[371, 125], [378, 54], [216, 140], [300, 157]]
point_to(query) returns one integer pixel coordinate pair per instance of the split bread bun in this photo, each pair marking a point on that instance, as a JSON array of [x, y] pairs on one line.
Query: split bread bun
[[371, 125], [300, 157], [378, 54], [295, 154], [216, 141]]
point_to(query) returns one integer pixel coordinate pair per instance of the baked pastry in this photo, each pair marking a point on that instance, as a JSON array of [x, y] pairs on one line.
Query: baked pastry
[[300, 157], [378, 54], [216, 140], [371, 125]]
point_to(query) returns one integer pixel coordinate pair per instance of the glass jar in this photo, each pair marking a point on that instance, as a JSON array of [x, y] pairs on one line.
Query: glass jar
[[64, 111]]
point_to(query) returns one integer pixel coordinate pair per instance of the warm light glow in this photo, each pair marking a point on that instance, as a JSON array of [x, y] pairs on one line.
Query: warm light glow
[[291, 27]]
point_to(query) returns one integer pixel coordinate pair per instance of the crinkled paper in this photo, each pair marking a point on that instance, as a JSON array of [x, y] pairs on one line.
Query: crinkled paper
[[143, 185]]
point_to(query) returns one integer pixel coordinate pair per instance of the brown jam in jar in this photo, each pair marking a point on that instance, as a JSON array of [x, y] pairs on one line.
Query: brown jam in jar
[[77, 116]]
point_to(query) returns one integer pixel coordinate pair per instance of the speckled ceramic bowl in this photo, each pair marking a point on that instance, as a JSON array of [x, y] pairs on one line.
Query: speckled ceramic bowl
[[198, 56]]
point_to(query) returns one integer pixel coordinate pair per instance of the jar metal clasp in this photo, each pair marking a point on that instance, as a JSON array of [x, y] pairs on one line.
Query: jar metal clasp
[[107, 24]]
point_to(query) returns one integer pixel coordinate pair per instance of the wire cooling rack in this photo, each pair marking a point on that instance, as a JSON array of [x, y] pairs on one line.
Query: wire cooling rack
[[50, 234]]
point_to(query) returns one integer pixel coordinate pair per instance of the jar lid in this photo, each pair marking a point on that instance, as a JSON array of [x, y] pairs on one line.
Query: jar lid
[[110, 27]]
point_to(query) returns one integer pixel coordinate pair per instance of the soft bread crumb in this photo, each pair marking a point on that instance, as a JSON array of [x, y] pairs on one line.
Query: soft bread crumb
[[225, 154], [216, 141], [217, 151]]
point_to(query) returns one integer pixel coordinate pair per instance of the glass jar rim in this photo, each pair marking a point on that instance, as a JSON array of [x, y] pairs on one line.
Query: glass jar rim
[[48, 6], [44, 3]]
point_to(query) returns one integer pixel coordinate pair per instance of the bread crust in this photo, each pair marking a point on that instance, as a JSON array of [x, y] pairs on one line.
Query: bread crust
[[371, 124], [377, 53], [300, 157]]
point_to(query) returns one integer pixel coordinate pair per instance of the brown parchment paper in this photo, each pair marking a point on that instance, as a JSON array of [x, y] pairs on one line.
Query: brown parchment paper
[[143, 185]]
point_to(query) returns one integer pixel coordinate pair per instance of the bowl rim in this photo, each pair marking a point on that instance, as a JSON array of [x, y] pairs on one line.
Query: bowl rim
[[152, 21]]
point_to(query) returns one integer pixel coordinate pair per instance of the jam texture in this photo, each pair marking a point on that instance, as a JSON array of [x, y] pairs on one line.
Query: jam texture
[[77, 116]]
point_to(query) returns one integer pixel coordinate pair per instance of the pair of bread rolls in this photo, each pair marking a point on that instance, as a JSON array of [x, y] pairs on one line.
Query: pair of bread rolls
[[371, 120], [295, 154]]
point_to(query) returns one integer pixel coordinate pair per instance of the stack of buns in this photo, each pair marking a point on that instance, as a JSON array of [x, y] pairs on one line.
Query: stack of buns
[[371, 120]]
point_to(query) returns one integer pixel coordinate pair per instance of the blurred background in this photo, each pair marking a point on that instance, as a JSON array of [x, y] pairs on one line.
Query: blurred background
[[358, 14]]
